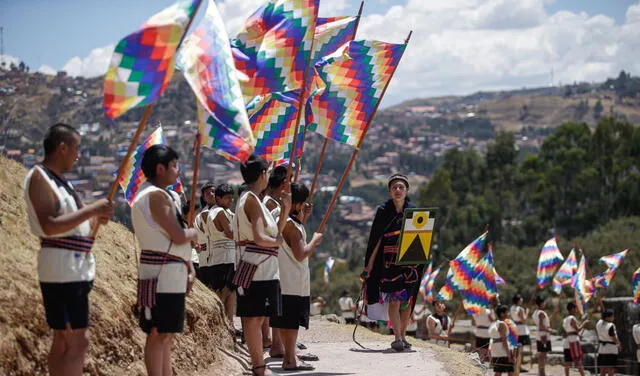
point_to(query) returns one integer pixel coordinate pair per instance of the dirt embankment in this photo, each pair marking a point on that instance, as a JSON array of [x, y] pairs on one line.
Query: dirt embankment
[[116, 341]]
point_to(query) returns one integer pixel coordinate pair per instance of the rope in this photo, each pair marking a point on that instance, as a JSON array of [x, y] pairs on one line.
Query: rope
[[359, 312]]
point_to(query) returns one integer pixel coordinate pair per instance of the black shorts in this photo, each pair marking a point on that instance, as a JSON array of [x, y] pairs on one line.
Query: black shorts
[[66, 303], [350, 320], [167, 316], [524, 340], [543, 347], [608, 360], [295, 313], [483, 343], [262, 298], [217, 277], [502, 365]]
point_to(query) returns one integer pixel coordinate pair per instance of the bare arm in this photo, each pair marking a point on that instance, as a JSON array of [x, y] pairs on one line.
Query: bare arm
[[503, 338], [294, 239], [254, 213], [222, 224], [543, 326], [47, 207], [373, 257], [163, 211]]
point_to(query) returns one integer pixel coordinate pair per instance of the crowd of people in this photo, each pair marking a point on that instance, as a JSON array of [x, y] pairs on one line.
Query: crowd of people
[[255, 256]]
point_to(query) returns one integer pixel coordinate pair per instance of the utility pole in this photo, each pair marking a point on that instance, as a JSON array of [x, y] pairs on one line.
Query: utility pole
[[2, 46]]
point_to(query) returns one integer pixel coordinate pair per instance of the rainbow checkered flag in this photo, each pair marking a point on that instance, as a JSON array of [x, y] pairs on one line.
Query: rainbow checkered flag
[[428, 291], [206, 60], [565, 273], [635, 284], [584, 289], [133, 177], [274, 47], [512, 333], [328, 266], [550, 258], [142, 63], [425, 279], [483, 288], [273, 126], [612, 262], [354, 77], [463, 268]]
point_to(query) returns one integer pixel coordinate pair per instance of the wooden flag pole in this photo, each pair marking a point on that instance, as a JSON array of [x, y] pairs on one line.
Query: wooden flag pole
[[141, 125], [453, 321], [354, 155], [324, 146], [194, 180]]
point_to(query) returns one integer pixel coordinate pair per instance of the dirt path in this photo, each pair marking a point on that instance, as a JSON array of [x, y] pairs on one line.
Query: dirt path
[[339, 355]]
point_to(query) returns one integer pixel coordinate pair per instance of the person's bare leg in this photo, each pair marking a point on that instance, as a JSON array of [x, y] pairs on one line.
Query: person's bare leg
[[394, 317], [581, 369], [405, 319], [167, 370], [266, 333], [154, 353], [289, 338], [57, 354], [77, 341], [229, 304], [253, 337], [566, 370], [277, 347], [542, 361]]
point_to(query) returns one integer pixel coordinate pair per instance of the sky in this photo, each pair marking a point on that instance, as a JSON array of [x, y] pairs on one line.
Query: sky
[[458, 46]]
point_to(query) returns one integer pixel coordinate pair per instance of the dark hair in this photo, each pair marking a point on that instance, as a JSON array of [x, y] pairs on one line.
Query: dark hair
[[607, 313], [155, 155], [252, 168], [345, 293], [516, 298], [242, 188], [207, 185], [502, 310], [57, 134], [571, 306], [540, 299], [223, 190], [299, 193], [185, 208], [277, 177]]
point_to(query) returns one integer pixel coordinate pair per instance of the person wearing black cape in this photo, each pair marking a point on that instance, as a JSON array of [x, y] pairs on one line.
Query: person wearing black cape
[[388, 283]]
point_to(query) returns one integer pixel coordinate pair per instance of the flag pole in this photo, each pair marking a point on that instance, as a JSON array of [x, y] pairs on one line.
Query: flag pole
[[140, 129], [326, 140], [354, 155], [303, 93], [194, 181]]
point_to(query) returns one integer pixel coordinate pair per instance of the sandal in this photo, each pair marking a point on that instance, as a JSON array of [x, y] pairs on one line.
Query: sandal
[[256, 368], [397, 345], [301, 346], [301, 366], [276, 356], [406, 343], [309, 357]]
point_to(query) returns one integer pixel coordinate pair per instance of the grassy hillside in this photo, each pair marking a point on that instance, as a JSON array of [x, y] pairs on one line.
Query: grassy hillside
[[116, 341]]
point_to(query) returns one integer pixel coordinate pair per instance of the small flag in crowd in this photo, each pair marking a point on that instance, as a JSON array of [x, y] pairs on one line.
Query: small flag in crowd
[[512, 334], [354, 78], [463, 268], [425, 279], [582, 286], [133, 176], [206, 60], [142, 63], [274, 47], [477, 298], [550, 258], [428, 291], [635, 284], [612, 262], [566, 272], [328, 266]]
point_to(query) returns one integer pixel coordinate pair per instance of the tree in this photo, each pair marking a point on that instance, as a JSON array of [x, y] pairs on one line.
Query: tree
[[21, 66], [597, 110]]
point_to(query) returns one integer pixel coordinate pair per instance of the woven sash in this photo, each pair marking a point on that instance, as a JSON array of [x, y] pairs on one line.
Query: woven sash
[[71, 243]]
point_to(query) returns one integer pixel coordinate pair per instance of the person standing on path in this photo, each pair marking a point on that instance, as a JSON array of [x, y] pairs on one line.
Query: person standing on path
[[482, 322], [395, 285], [544, 330], [502, 357], [165, 271], [572, 347], [257, 275], [207, 201], [520, 315], [347, 307], [609, 344], [66, 266]]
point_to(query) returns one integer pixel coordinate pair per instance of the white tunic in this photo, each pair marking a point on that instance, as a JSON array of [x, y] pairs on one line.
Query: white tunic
[[497, 347], [607, 344], [636, 337], [347, 306], [545, 320], [60, 265], [268, 266], [483, 323], [523, 329], [438, 330], [294, 275], [222, 249], [275, 213], [172, 277], [203, 237], [568, 328]]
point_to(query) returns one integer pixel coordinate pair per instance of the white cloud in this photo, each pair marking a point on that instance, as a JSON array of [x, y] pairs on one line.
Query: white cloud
[[462, 46], [8, 60], [45, 69], [95, 64]]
